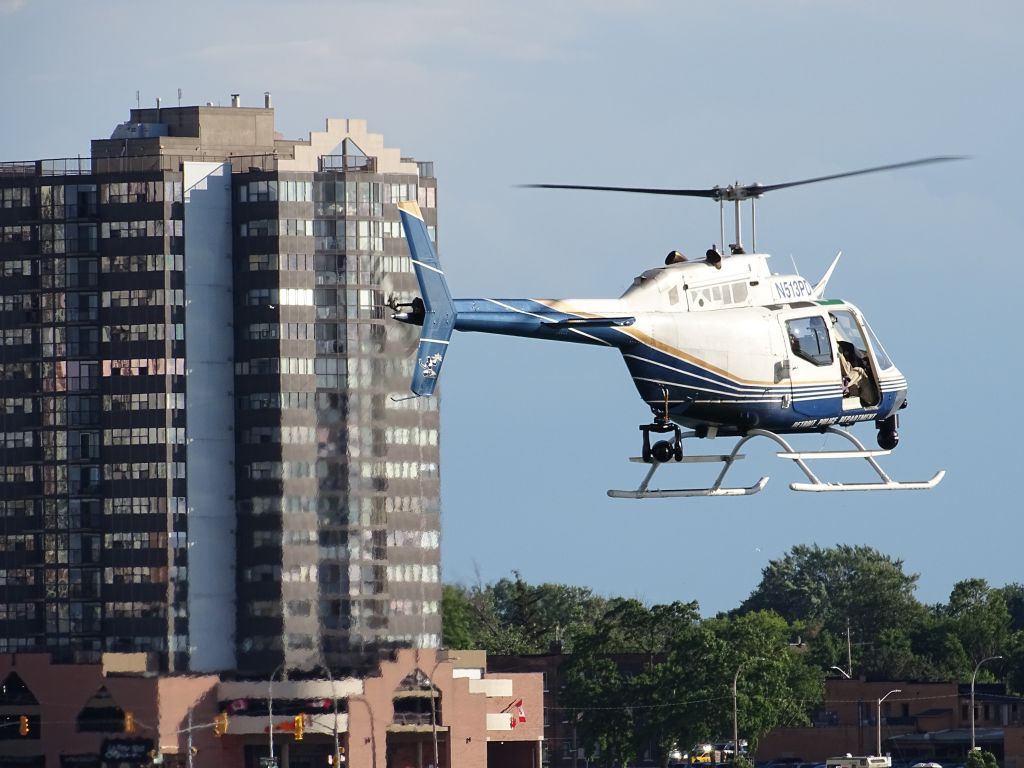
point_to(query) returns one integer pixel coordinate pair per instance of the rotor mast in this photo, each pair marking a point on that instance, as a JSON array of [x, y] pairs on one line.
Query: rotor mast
[[736, 194]]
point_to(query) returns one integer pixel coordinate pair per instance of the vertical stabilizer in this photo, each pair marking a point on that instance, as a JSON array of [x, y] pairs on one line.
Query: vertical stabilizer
[[439, 311], [819, 289]]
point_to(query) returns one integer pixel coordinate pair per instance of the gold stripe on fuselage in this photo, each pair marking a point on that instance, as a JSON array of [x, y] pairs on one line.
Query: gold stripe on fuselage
[[563, 306]]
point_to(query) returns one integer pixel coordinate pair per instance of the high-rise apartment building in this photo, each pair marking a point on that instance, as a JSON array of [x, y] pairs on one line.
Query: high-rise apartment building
[[203, 449]]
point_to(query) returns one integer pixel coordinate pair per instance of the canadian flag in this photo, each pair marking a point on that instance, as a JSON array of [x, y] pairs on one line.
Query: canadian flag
[[239, 705], [517, 717]]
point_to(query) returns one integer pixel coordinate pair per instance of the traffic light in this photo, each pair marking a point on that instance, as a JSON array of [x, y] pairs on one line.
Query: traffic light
[[23, 725], [300, 727], [220, 724], [129, 722]]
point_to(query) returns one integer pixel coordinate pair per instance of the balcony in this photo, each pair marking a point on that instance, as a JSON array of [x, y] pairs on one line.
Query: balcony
[[360, 163]]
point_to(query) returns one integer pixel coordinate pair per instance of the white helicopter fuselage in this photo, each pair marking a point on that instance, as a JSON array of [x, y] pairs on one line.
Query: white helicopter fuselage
[[727, 348]]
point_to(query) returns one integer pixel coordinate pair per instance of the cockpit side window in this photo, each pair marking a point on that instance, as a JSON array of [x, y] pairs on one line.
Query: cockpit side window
[[808, 338]]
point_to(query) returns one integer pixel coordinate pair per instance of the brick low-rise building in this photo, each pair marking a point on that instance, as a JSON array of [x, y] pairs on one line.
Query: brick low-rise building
[[923, 721], [79, 715]]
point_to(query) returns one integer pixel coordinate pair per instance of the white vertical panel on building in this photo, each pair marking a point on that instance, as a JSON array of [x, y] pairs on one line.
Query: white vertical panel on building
[[209, 407]]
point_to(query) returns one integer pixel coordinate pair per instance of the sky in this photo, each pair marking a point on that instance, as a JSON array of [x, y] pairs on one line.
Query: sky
[[646, 93]]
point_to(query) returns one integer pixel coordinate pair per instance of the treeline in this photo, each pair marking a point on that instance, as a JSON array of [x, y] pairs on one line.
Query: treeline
[[779, 645]]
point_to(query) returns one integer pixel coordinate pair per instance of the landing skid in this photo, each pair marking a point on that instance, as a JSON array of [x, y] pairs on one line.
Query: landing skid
[[800, 458]]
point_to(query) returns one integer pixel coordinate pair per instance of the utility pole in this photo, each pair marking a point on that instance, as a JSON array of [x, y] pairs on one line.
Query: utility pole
[[849, 650]]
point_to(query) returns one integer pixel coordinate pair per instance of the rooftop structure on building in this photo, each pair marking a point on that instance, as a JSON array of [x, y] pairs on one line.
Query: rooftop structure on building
[[202, 458]]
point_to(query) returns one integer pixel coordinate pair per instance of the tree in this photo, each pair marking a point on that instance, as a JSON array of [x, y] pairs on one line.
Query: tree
[[513, 617], [622, 687], [671, 676], [980, 758], [1013, 594], [980, 618], [894, 658], [456, 618], [544, 614], [778, 686], [825, 588]]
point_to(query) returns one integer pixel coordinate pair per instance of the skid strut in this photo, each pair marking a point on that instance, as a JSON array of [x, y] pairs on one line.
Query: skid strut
[[652, 455]]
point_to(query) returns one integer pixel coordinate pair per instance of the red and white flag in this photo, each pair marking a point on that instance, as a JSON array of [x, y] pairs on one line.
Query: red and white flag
[[239, 705], [519, 715]]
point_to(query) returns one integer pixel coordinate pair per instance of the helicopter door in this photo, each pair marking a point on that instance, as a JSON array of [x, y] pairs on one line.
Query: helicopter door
[[860, 378], [813, 367]]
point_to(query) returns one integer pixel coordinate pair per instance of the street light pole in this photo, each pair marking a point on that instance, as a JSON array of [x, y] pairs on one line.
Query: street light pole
[[973, 677], [433, 717], [878, 722], [334, 701], [735, 708], [270, 709], [841, 671], [438, 661]]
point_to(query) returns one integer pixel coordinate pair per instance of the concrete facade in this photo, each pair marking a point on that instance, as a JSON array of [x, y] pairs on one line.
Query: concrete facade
[[203, 451]]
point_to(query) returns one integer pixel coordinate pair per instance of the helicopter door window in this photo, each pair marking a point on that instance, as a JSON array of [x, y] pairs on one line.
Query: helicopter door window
[[884, 362], [808, 338], [846, 329]]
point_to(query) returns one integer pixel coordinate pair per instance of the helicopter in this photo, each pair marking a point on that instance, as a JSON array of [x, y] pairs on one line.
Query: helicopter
[[719, 347]]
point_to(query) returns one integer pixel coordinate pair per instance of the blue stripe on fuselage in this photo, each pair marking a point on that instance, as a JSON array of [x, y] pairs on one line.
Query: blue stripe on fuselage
[[699, 395]]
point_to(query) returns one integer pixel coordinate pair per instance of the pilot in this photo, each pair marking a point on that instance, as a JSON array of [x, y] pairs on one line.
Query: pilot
[[713, 257]]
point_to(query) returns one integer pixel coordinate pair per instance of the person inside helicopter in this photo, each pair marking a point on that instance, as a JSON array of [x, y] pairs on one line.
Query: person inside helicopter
[[853, 374], [857, 380], [713, 257]]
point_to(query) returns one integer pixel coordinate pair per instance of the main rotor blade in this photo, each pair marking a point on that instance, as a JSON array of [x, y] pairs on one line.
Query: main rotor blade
[[757, 189], [713, 193], [735, 192]]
